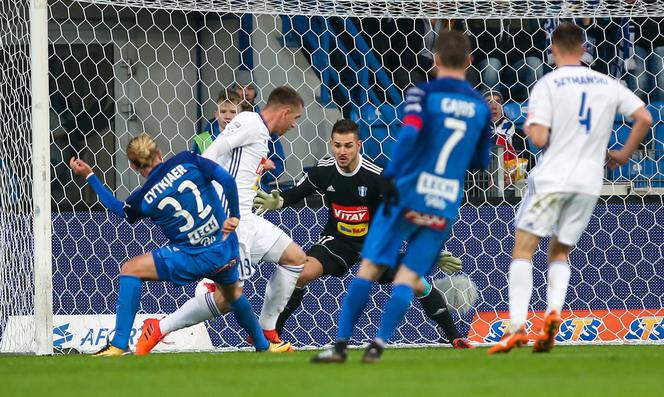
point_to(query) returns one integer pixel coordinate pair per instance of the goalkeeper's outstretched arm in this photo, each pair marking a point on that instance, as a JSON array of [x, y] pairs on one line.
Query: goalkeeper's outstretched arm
[[275, 199]]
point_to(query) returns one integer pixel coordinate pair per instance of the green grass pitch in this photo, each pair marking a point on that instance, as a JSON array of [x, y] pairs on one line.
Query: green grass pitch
[[567, 371]]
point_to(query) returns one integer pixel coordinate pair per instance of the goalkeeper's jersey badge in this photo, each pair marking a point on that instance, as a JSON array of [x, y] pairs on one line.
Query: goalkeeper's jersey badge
[[362, 191]]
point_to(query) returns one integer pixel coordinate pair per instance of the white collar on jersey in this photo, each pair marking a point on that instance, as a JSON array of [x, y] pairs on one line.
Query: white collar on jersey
[[357, 169]]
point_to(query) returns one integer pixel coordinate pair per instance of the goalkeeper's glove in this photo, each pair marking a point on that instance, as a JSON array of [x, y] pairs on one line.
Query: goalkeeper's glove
[[449, 263], [267, 201]]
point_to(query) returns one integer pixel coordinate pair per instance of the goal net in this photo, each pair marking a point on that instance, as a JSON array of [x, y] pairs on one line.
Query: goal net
[[118, 68]]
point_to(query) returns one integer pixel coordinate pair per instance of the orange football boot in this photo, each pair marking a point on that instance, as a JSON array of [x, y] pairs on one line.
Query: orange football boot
[[273, 337], [509, 341], [150, 336], [547, 337]]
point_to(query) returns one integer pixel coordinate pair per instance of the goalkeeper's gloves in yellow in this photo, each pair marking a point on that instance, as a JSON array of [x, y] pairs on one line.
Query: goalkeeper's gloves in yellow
[[267, 201], [449, 263]]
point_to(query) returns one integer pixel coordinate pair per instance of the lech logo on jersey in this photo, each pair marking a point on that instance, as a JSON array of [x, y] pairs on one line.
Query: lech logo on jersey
[[362, 191]]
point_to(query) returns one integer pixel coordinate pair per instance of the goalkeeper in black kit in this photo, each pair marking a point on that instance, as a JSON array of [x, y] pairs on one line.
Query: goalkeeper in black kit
[[353, 189]]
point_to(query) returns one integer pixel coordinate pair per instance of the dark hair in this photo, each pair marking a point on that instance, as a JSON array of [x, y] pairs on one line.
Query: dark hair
[[284, 96], [453, 48], [228, 95], [345, 126], [568, 37]]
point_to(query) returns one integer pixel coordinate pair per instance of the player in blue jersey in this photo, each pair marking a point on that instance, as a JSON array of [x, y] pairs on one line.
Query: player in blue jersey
[[178, 196], [445, 132]]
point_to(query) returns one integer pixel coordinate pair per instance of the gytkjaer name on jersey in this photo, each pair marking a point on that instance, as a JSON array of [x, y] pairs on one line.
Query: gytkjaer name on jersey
[[165, 183]]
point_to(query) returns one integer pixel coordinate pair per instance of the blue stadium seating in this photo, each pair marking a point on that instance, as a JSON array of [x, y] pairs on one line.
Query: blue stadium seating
[[657, 111], [378, 129], [516, 112]]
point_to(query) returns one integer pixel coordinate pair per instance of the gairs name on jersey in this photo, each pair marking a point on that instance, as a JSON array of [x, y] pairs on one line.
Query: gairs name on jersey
[[457, 107], [165, 182], [204, 235], [437, 190], [580, 80]]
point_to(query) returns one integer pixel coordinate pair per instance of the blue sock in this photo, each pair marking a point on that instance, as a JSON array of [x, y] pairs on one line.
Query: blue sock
[[354, 303], [245, 316], [125, 309], [395, 308]]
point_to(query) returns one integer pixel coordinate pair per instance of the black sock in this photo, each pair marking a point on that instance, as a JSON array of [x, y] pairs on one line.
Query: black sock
[[435, 307], [341, 346], [292, 305]]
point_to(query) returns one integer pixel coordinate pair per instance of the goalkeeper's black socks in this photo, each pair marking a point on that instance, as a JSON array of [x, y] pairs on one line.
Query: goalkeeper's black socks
[[341, 347], [373, 352], [293, 303], [435, 307]]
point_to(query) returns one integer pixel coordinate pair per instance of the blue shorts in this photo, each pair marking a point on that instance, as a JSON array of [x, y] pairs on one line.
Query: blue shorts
[[426, 236], [218, 263]]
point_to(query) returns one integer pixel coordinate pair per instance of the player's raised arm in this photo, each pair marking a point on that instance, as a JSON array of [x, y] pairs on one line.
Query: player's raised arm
[[275, 200], [630, 105], [80, 167], [215, 172]]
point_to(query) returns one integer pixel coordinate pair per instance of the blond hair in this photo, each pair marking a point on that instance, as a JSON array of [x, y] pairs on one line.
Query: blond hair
[[142, 150]]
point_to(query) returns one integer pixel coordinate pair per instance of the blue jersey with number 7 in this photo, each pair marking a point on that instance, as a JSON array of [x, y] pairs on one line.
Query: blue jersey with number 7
[[448, 122], [179, 197]]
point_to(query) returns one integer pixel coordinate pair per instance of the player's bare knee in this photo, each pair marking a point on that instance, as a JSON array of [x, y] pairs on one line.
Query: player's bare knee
[[369, 270], [312, 270], [558, 252], [525, 244], [293, 256], [222, 304], [128, 268], [408, 277]]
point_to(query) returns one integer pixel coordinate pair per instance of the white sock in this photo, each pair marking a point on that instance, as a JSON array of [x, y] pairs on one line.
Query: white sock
[[556, 290], [277, 293], [194, 311], [520, 290]]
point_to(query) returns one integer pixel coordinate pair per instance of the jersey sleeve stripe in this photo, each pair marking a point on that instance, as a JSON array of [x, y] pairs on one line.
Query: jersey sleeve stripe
[[373, 168], [373, 171], [368, 163], [413, 120]]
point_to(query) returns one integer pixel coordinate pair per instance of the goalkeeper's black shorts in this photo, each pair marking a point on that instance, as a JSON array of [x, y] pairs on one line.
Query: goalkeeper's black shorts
[[338, 256]]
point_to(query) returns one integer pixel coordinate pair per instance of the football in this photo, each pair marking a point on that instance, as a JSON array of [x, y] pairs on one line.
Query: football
[[460, 292]]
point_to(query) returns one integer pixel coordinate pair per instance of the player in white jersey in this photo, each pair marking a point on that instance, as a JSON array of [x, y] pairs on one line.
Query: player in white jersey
[[570, 116], [242, 149]]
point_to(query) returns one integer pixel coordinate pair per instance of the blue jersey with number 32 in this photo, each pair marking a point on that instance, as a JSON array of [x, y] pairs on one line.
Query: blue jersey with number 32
[[179, 197], [452, 120]]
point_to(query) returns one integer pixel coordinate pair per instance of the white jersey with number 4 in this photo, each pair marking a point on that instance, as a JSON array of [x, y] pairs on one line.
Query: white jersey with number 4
[[579, 106], [242, 149]]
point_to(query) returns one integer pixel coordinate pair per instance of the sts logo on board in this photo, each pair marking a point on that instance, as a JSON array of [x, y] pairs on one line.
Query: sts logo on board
[[646, 328], [497, 330], [579, 329]]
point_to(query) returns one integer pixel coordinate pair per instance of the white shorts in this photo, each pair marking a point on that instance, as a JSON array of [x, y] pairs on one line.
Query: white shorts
[[259, 240], [564, 215]]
